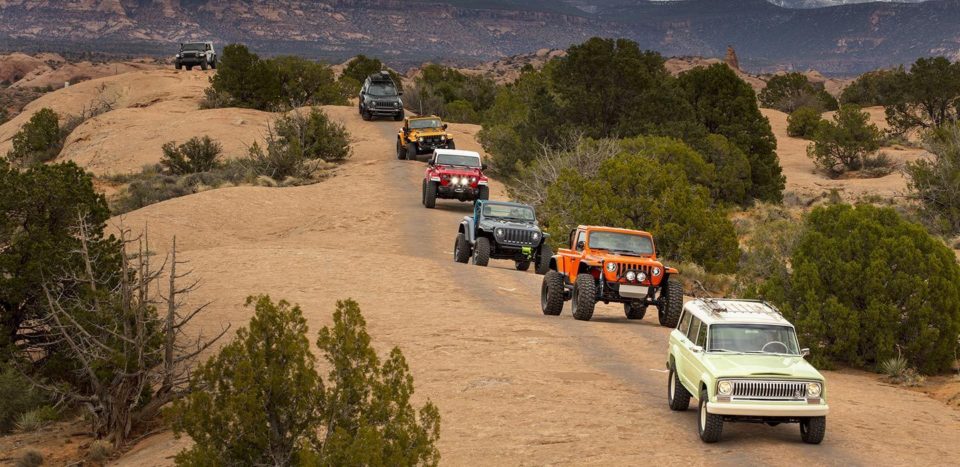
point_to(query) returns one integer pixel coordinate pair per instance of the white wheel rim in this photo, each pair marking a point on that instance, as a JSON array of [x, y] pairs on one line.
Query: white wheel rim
[[703, 415], [673, 387]]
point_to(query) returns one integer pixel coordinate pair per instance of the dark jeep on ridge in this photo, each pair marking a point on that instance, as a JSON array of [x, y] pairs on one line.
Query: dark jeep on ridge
[[380, 97], [502, 230]]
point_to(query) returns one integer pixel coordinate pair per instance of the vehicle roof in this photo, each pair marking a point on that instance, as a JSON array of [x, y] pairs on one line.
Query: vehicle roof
[[734, 311], [596, 228], [426, 117], [504, 203], [455, 152]]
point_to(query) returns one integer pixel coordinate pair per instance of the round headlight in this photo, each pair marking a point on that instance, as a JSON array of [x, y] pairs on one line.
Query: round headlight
[[420, 139], [464, 181], [725, 388], [499, 232], [631, 276], [396, 104], [442, 137], [611, 267], [641, 276], [454, 180], [473, 179], [656, 271], [535, 236], [814, 389]]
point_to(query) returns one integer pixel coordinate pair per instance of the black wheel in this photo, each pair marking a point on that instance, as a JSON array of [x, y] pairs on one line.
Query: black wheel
[[179, 66], [484, 192], [635, 310], [671, 303], [411, 151], [189, 67], [401, 152], [677, 395], [709, 426], [430, 194], [399, 116], [543, 259], [813, 429], [451, 145], [213, 64], [203, 65], [584, 297], [365, 114], [481, 252], [522, 265], [461, 249], [551, 293]]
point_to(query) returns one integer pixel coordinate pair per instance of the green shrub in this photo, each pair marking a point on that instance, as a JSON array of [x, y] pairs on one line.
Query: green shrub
[[864, 283], [18, 396], [298, 144], [195, 155], [842, 144], [261, 400], [804, 123], [29, 459], [36, 419], [791, 91], [152, 185], [38, 141], [447, 92], [935, 182], [881, 87], [244, 80], [637, 192], [362, 66], [304, 82], [928, 96]]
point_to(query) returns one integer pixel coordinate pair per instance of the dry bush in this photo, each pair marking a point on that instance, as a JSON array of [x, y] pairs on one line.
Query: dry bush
[[99, 451], [30, 458]]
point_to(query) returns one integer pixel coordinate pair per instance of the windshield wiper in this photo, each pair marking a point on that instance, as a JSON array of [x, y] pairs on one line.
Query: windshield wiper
[[626, 252], [725, 350]]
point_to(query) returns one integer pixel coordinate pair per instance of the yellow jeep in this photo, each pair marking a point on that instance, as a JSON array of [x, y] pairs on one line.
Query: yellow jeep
[[421, 135]]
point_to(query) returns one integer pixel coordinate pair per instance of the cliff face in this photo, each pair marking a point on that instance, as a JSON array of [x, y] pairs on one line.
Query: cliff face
[[842, 39]]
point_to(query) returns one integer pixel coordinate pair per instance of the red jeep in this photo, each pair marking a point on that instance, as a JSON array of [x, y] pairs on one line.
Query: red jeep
[[453, 174]]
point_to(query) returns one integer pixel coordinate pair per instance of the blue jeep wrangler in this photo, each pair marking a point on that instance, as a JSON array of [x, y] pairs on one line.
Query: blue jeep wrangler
[[501, 230]]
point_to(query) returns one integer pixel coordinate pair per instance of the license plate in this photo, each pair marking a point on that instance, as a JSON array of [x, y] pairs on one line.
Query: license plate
[[635, 291]]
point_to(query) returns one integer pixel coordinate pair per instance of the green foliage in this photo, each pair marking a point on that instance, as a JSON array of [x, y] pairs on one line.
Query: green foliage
[[726, 105], [843, 144], [635, 191], [451, 94], [362, 66], [152, 185], [36, 419], [732, 182], [928, 97], [769, 234], [41, 209], [864, 282], [881, 87], [936, 182], [243, 79], [791, 91], [297, 143], [38, 141], [261, 401], [195, 155], [804, 122], [19, 397]]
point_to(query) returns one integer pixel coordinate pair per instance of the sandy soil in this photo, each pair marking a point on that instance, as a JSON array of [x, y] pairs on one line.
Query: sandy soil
[[513, 386], [806, 181]]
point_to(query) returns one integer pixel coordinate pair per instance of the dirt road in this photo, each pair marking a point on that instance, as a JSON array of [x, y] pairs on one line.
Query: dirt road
[[513, 386]]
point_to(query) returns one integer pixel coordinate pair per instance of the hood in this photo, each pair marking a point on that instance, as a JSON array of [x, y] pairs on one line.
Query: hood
[[488, 224], [458, 171], [760, 366], [429, 132]]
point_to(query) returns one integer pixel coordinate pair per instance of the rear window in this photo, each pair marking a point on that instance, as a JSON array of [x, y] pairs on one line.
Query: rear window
[[684, 322], [456, 159]]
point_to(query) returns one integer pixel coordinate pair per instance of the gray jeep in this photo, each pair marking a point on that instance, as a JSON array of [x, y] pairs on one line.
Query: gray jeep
[[502, 230], [193, 54]]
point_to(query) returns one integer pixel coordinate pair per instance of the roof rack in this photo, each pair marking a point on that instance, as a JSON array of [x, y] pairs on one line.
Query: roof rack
[[737, 306]]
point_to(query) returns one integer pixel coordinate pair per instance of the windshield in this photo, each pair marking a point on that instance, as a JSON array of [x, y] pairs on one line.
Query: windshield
[[194, 46], [522, 213], [753, 338], [425, 123], [456, 159], [382, 90], [621, 243]]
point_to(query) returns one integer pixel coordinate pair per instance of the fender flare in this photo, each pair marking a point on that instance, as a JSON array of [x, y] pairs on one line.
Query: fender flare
[[468, 230]]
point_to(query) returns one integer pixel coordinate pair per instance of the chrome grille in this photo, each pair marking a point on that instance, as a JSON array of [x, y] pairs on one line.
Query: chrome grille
[[518, 236], [769, 390], [623, 269]]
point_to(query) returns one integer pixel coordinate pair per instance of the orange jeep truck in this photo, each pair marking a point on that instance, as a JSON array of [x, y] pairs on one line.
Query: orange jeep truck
[[605, 264]]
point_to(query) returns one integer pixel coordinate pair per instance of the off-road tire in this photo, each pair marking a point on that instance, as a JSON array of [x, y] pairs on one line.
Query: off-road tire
[[179, 66], [522, 265], [678, 398], [204, 65], [189, 67], [671, 304], [584, 297], [451, 145], [481, 252], [543, 259], [401, 152], [398, 117], [551, 293], [461, 249], [812, 429], [430, 194], [365, 114], [213, 64], [635, 310], [411, 152], [709, 426], [484, 193]]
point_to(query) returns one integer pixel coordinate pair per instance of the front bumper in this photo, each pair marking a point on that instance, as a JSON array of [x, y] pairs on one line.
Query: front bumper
[[463, 193], [770, 409], [423, 148], [611, 292], [385, 110], [191, 60]]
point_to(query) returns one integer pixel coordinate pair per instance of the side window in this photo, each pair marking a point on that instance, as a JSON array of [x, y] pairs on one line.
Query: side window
[[684, 322], [702, 336], [693, 329], [581, 237]]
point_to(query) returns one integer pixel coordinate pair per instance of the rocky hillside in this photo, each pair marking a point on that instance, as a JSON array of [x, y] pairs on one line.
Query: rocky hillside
[[844, 39]]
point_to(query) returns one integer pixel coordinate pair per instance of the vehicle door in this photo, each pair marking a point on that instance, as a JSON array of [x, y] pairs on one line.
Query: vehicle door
[[689, 362], [572, 262]]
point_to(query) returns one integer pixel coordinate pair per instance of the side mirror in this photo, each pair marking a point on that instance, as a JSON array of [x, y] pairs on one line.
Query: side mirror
[[695, 348], [444, 126], [399, 93], [431, 162], [804, 353], [483, 166], [581, 244]]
